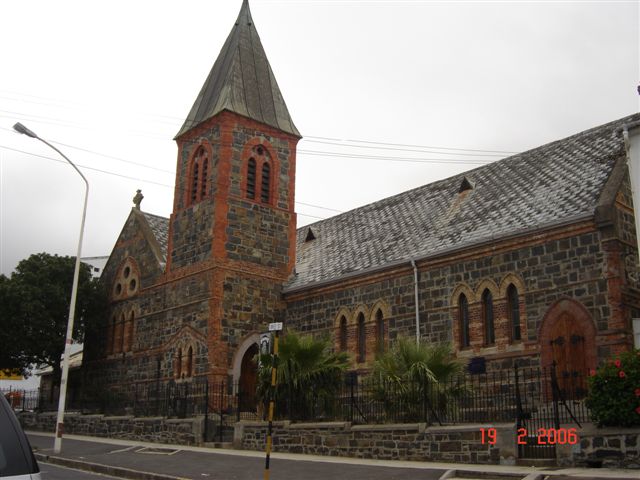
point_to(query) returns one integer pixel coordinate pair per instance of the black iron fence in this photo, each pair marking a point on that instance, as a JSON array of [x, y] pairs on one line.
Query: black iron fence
[[534, 398], [25, 400], [503, 396]]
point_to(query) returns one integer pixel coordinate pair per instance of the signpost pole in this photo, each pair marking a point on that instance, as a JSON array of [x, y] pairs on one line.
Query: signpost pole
[[273, 327]]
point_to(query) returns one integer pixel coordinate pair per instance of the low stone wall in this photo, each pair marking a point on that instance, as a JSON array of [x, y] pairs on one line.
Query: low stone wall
[[605, 447], [460, 444], [608, 447], [187, 431]]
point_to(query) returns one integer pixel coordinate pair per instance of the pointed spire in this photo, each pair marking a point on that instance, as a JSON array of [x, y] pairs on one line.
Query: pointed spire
[[241, 81]]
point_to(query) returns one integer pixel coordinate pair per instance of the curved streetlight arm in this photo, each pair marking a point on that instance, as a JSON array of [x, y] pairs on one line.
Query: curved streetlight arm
[[57, 446]]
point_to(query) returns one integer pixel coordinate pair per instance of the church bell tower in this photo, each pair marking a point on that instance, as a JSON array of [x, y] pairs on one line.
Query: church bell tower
[[233, 212]]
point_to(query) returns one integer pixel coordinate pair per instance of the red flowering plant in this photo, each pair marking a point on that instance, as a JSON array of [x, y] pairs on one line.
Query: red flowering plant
[[614, 392]]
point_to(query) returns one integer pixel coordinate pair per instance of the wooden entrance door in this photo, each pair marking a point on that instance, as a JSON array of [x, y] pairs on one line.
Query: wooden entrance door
[[248, 380], [568, 353]]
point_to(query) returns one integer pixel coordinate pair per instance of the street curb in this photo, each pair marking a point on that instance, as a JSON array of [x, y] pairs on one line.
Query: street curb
[[477, 474], [104, 469]]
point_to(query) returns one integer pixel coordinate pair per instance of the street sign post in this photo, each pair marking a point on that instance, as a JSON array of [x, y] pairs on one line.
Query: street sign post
[[275, 327]]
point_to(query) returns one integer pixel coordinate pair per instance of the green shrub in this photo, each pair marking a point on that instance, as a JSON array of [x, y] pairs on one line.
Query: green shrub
[[614, 392]]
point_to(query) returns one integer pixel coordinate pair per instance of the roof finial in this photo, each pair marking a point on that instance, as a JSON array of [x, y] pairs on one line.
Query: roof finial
[[137, 200]]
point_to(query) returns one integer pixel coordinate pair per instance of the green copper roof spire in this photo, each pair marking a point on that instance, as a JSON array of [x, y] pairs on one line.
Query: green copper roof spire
[[241, 81]]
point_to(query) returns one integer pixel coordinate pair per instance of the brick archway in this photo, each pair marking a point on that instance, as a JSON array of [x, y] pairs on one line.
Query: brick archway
[[568, 338], [248, 380]]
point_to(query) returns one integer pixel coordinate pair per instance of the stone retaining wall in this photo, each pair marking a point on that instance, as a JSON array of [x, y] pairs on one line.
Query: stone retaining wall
[[187, 431], [608, 447], [460, 444], [605, 447]]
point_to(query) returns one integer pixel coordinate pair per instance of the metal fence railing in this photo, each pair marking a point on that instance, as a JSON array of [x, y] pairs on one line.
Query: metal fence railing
[[532, 397], [490, 397]]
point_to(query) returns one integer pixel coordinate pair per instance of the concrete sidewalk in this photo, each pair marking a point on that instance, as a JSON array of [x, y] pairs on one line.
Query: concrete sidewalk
[[152, 461]]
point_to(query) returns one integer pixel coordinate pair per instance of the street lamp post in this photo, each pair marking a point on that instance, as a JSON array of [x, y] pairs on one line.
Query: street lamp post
[[57, 445]]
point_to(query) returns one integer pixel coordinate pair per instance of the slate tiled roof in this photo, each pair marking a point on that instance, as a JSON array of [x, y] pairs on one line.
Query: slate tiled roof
[[242, 81], [160, 228], [555, 183]]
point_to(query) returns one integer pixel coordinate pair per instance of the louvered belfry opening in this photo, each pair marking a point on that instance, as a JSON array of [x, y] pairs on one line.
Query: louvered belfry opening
[[258, 181], [251, 179], [266, 183], [199, 175], [205, 172], [194, 182]]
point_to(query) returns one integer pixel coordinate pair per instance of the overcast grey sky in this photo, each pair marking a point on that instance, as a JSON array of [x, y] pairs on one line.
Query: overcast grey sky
[[112, 82]]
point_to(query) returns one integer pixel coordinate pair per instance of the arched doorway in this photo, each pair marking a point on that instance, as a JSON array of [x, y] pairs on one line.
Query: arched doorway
[[567, 337], [248, 380]]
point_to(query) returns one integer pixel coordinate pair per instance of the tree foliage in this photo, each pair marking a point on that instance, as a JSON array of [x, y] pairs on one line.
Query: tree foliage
[[417, 378], [34, 303], [614, 391], [308, 373], [408, 361]]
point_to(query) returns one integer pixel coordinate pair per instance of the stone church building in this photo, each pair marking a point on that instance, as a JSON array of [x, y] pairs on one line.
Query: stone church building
[[531, 258]]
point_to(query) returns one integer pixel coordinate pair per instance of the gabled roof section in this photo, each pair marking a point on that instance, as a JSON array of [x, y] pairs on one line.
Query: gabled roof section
[[157, 234], [155, 230], [558, 183], [242, 81]]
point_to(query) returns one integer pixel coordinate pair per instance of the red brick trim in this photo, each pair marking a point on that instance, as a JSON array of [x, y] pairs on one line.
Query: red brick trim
[[486, 284]]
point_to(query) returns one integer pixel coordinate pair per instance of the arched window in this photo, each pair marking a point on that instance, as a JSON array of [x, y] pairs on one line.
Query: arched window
[[259, 177], [199, 175], [114, 338], [129, 334], [251, 179], [265, 183], [379, 332], [111, 332], [463, 312], [178, 367], [487, 317], [190, 362], [362, 339], [343, 334], [121, 334], [205, 174], [514, 312], [194, 181]]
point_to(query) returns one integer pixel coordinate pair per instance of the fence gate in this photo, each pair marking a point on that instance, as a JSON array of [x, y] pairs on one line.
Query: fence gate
[[547, 411]]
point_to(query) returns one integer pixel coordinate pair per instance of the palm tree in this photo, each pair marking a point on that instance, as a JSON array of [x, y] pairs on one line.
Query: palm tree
[[309, 376], [417, 379]]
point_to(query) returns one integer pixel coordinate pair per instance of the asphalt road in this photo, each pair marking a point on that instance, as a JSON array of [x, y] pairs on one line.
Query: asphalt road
[[222, 466], [55, 472], [161, 462]]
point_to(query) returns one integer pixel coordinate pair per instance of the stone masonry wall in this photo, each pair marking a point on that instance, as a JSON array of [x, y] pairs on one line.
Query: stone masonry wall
[[544, 268], [192, 223], [188, 431], [460, 444], [249, 305], [609, 448], [168, 317], [606, 447]]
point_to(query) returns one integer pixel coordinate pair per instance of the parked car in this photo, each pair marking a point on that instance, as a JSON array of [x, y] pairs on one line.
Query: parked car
[[16, 458]]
